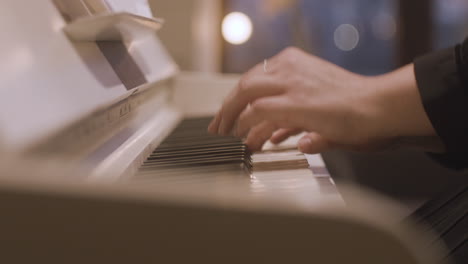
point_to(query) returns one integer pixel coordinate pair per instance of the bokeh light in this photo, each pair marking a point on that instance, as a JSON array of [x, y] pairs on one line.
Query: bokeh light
[[237, 28], [346, 37]]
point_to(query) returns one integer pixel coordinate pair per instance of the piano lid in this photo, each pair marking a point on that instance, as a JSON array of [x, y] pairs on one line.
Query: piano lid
[[48, 81]]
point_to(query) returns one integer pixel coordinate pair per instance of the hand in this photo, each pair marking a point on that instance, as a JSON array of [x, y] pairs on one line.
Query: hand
[[300, 92]]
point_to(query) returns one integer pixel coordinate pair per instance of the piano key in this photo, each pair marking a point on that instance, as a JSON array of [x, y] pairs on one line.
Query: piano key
[[195, 143], [195, 151], [194, 147], [189, 155], [191, 169], [207, 161], [214, 156]]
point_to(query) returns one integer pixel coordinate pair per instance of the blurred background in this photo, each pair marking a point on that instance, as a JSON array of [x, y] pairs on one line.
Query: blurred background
[[365, 36]]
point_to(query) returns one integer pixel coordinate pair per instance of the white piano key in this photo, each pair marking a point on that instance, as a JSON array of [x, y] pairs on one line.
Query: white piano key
[[275, 172]]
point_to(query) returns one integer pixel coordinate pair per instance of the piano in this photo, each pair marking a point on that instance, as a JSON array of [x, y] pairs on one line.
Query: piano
[[106, 158]]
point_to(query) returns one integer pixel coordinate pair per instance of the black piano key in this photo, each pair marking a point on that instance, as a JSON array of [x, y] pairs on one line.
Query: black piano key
[[239, 159], [193, 146], [190, 149], [197, 142], [200, 151], [195, 153]]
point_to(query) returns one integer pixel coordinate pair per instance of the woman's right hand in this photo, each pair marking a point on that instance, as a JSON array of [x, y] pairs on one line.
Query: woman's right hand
[[337, 108]]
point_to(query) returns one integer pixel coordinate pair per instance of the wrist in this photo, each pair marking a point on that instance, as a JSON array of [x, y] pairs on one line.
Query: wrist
[[399, 111]]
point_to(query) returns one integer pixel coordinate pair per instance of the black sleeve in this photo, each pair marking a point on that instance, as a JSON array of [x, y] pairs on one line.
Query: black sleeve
[[442, 79]]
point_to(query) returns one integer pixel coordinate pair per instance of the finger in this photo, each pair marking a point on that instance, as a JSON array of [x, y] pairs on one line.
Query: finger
[[313, 143], [283, 134], [213, 126], [258, 70], [259, 135], [277, 110], [243, 131], [249, 89]]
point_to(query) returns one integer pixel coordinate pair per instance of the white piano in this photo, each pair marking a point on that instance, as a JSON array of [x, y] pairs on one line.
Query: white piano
[[105, 158]]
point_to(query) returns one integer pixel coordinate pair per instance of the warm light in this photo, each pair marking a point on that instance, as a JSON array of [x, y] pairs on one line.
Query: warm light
[[346, 37], [236, 28]]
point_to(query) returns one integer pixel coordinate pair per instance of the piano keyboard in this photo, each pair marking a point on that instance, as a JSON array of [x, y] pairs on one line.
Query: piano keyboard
[[191, 156]]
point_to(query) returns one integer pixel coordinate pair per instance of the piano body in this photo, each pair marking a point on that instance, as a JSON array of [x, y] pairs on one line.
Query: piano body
[[106, 159]]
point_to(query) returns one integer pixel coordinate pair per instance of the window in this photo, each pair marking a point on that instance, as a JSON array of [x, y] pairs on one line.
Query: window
[[359, 35], [450, 22]]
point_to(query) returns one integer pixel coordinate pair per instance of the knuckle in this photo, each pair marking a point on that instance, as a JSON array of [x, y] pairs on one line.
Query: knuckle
[[243, 85], [290, 51], [242, 119], [258, 106], [290, 56], [285, 82], [295, 81]]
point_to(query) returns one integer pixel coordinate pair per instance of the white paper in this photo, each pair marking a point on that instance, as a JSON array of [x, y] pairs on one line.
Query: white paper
[[137, 7]]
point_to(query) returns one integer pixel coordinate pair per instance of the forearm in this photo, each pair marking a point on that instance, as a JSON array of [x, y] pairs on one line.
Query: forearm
[[426, 102]]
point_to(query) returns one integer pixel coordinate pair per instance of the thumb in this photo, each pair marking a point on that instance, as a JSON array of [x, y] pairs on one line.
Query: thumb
[[313, 143]]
